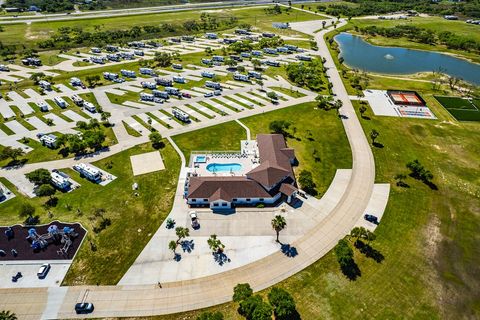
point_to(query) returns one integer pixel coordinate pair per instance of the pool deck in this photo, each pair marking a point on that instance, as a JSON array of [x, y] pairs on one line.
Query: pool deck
[[247, 162]]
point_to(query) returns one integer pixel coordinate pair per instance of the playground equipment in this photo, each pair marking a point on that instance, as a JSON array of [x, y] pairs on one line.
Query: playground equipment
[[9, 233], [54, 234]]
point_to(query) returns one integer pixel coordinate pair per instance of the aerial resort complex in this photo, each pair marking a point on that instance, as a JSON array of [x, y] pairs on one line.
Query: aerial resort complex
[[259, 174], [259, 160]]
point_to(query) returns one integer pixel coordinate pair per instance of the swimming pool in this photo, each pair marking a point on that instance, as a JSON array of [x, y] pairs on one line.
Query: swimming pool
[[200, 159], [224, 167]]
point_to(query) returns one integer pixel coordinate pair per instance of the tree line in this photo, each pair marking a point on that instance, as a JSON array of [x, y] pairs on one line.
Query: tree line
[[422, 35], [469, 8]]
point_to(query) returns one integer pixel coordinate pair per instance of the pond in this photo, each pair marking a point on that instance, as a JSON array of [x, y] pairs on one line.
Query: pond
[[361, 55]]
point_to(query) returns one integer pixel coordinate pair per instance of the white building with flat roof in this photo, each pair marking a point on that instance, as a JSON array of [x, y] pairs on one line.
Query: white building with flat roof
[[89, 172], [60, 181]]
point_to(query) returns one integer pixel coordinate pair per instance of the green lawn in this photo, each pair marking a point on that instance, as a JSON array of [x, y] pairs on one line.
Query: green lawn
[[211, 138]]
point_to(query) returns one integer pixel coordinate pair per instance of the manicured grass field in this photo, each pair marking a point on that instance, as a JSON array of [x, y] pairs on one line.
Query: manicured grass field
[[211, 139], [460, 108], [134, 219]]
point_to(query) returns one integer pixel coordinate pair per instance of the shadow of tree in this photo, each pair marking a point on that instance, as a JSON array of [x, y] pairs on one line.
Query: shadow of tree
[[187, 245], [369, 251], [289, 251], [220, 258], [351, 270], [378, 145]]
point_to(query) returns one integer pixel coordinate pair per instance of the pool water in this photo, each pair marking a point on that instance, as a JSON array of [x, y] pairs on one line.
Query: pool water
[[224, 167], [201, 159]]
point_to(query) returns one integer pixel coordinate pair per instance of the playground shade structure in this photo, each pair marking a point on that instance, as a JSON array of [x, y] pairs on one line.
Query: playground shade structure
[[24, 237]]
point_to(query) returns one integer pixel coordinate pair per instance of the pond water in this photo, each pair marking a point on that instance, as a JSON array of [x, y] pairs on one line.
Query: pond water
[[361, 55]]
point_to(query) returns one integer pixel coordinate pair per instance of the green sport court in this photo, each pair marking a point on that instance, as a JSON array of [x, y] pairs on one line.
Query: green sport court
[[460, 108]]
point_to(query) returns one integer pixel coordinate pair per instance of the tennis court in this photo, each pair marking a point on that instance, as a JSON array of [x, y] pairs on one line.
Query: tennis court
[[461, 109]]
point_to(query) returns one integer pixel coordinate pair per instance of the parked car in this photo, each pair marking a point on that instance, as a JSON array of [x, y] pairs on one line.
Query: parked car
[[217, 92], [16, 277], [43, 271], [194, 219], [208, 94], [84, 307], [186, 95], [371, 218]]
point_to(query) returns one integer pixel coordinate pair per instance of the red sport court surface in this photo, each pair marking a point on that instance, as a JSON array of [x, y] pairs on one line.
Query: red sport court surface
[[406, 97]]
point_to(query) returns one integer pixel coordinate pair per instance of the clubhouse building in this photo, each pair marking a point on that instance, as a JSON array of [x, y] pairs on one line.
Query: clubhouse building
[[261, 173]]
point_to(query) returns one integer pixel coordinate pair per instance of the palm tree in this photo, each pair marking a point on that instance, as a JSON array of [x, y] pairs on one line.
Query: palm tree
[[7, 315], [278, 224], [181, 233], [172, 245], [374, 135], [215, 244]]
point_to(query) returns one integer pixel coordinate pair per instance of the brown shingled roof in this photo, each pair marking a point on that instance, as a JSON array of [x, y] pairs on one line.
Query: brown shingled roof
[[274, 160], [287, 189], [225, 188]]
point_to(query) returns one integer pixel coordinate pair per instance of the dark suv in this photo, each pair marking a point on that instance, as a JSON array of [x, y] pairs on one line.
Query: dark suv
[[371, 218], [84, 307]]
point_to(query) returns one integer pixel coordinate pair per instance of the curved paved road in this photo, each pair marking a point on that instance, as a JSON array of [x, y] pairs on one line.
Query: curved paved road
[[111, 301]]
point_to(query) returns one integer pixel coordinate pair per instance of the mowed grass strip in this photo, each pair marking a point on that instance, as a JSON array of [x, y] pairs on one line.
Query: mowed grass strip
[[199, 111], [163, 123], [130, 130]]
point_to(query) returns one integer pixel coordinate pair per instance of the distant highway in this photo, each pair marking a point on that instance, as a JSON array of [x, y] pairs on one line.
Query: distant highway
[[137, 11]]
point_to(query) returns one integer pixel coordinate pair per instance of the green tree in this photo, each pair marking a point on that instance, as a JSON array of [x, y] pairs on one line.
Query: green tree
[[45, 190], [256, 64], [26, 210], [36, 77], [248, 306], [278, 224], [362, 110], [172, 245], [215, 244], [344, 253], [272, 95], [279, 126], [181, 233], [163, 59], [105, 116], [156, 139], [12, 153], [7, 315], [241, 292], [92, 80], [358, 233], [283, 304], [400, 178], [39, 177], [322, 102], [263, 311], [305, 180], [374, 135]]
